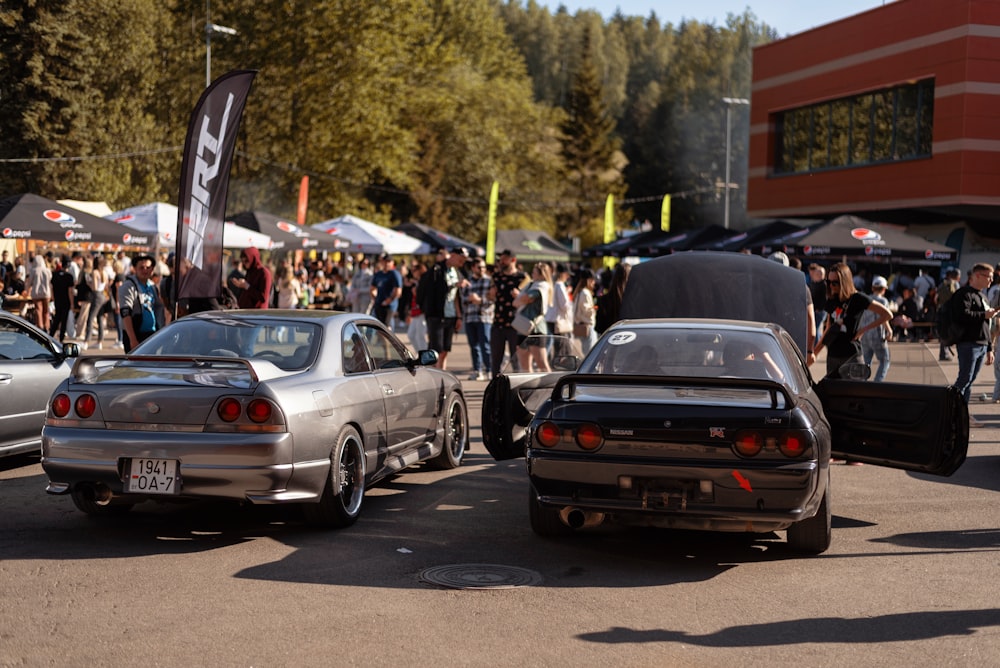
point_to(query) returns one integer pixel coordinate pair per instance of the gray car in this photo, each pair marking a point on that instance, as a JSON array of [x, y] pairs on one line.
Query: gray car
[[267, 407], [32, 363]]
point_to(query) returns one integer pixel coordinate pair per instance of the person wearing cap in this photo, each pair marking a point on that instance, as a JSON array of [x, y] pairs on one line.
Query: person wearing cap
[[387, 286], [438, 297], [507, 281], [875, 342]]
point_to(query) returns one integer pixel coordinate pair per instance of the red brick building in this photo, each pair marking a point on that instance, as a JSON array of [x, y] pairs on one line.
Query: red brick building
[[892, 114]]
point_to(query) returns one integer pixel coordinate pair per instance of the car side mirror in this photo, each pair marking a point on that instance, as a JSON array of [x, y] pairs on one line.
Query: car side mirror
[[855, 371], [427, 358], [565, 362]]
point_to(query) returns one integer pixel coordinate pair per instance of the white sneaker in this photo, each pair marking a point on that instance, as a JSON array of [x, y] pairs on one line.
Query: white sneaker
[[482, 376]]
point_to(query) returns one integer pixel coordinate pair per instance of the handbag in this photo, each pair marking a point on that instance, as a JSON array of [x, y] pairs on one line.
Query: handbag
[[525, 326], [581, 329]]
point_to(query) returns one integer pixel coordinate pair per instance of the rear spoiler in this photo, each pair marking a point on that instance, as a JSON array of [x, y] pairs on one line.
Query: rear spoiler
[[565, 388], [85, 369]]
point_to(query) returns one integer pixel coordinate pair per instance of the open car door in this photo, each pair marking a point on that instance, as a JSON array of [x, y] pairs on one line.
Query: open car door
[[911, 427], [512, 398]]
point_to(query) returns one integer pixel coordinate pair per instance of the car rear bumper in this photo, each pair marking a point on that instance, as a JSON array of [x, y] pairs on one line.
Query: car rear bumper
[[683, 494], [254, 467]]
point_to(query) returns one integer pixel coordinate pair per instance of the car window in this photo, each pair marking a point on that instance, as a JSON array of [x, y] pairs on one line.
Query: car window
[[287, 344], [355, 354], [22, 344], [385, 353], [698, 353]]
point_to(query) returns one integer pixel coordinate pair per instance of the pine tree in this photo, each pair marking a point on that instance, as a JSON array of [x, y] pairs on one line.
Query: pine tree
[[591, 151]]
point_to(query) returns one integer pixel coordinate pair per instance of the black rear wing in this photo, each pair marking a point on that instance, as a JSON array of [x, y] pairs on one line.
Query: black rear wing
[[565, 388]]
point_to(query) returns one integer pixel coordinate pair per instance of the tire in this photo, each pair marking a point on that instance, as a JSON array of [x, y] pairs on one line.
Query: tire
[[340, 504], [813, 535], [545, 520], [456, 435], [83, 499]]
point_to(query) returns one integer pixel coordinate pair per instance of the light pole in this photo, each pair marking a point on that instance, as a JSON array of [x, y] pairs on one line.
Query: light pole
[[212, 29], [730, 101]]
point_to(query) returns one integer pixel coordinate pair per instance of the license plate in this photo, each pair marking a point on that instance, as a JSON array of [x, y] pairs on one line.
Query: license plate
[[152, 476]]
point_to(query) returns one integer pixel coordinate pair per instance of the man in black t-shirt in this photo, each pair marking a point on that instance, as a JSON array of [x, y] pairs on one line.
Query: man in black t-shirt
[[507, 281]]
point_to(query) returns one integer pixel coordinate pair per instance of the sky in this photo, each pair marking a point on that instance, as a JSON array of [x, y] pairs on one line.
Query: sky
[[787, 17]]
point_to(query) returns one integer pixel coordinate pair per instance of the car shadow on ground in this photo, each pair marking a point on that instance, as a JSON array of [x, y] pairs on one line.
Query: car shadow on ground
[[909, 626], [474, 515], [978, 471]]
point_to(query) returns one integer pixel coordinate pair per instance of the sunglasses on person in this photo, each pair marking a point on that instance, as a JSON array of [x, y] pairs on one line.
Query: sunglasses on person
[[833, 284]]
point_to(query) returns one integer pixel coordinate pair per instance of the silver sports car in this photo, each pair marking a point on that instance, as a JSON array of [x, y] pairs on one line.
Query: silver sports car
[[307, 407], [32, 363]]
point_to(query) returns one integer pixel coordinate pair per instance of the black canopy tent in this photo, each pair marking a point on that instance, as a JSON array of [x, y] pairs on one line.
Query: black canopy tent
[[754, 238], [32, 217], [437, 239], [690, 240], [294, 236], [859, 240], [619, 247], [531, 246]]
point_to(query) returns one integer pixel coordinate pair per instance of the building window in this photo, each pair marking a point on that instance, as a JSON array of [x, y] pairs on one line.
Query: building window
[[876, 127]]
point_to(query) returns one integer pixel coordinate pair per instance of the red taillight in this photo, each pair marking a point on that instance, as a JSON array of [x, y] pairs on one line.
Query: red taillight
[[589, 437], [61, 405], [229, 410], [748, 443], [792, 445], [85, 405], [259, 411], [548, 435]]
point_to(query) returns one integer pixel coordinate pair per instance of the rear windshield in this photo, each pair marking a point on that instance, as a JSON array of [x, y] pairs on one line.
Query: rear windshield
[[288, 345], [697, 353]]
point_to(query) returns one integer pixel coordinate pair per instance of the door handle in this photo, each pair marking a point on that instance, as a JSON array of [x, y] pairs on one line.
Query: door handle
[[5, 378], [387, 390]]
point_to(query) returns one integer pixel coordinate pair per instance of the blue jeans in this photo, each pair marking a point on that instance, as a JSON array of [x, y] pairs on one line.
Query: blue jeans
[[478, 334], [879, 351], [970, 360]]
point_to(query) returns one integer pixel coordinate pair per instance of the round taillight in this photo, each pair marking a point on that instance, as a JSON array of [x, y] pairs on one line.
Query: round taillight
[[748, 444], [589, 437], [792, 445], [85, 405], [61, 405], [548, 435], [259, 411], [229, 409]]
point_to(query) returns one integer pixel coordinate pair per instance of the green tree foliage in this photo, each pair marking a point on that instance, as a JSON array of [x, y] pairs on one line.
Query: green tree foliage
[[397, 110], [69, 91], [590, 149]]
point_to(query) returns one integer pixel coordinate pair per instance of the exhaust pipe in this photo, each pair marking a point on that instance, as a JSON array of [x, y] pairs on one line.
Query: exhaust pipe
[[102, 494], [575, 518]]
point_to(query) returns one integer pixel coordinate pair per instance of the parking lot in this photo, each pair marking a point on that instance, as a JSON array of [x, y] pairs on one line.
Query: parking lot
[[910, 578]]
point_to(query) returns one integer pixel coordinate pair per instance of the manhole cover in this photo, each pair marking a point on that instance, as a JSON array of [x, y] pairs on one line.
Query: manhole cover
[[480, 576]]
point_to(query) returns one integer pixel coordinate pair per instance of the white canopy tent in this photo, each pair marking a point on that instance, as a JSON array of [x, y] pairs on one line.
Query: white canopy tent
[[371, 239], [235, 236], [160, 218]]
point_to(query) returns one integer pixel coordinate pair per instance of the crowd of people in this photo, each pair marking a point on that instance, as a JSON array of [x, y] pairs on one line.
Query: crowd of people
[[81, 296], [856, 316]]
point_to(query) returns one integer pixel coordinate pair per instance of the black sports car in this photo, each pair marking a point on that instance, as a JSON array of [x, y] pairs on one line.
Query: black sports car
[[709, 423]]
